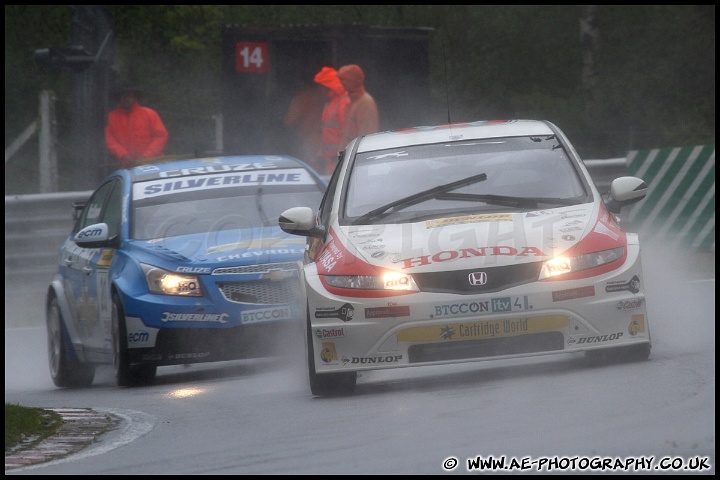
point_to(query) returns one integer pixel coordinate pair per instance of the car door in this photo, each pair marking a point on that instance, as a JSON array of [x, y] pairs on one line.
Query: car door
[[88, 269]]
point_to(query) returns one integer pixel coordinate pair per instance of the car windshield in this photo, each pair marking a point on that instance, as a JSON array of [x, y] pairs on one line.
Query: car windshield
[[171, 207], [496, 175]]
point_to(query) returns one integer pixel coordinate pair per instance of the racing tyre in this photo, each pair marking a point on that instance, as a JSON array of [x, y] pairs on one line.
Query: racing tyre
[[634, 353], [126, 375], [65, 372], [327, 384]]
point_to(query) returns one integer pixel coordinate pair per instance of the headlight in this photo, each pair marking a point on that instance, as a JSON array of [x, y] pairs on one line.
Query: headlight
[[563, 265], [387, 281], [164, 282]]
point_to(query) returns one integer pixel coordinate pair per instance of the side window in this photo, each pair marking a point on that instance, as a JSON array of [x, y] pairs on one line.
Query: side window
[[113, 210], [94, 208]]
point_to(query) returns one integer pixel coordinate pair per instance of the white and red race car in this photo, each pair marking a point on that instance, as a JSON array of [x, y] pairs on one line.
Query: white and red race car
[[466, 242]]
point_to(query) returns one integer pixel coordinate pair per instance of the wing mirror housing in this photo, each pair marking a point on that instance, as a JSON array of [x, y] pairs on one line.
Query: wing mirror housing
[[625, 191], [300, 221]]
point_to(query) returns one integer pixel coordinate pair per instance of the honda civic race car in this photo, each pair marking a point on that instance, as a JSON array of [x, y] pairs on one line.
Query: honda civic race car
[[466, 242], [177, 263]]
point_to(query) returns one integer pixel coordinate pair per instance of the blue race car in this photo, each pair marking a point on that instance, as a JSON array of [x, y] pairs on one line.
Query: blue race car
[[176, 263]]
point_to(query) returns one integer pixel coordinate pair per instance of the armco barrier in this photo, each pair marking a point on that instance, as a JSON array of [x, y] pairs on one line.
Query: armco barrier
[[680, 206]]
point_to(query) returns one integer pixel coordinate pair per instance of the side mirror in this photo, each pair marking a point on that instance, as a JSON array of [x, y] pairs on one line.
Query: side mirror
[[299, 221], [625, 191], [93, 236]]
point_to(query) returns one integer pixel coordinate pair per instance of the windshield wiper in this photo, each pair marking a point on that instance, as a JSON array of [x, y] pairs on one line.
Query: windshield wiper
[[530, 202], [420, 197]]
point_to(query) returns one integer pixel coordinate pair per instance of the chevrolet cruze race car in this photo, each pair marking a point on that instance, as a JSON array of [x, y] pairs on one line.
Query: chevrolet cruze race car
[[178, 263], [466, 242]]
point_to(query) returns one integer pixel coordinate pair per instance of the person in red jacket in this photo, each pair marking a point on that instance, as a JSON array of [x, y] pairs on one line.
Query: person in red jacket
[[333, 119], [134, 133], [362, 113]]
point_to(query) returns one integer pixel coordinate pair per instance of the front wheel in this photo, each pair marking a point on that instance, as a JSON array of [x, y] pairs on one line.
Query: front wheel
[[327, 384], [64, 371], [125, 374]]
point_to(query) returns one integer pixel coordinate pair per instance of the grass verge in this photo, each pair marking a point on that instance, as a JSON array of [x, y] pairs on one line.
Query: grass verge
[[26, 426]]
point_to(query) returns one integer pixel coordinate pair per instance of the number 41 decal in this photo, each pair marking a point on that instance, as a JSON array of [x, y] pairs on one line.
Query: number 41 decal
[[251, 57]]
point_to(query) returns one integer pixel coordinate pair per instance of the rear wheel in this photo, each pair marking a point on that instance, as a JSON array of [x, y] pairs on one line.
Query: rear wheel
[[64, 371], [125, 374], [327, 384]]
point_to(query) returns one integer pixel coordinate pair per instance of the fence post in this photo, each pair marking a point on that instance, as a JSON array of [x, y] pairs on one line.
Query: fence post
[[47, 138]]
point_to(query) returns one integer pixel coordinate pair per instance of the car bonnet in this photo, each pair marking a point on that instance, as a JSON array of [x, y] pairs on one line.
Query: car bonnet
[[482, 240]]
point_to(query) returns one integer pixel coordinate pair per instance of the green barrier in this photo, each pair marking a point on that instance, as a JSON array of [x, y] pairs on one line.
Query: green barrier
[[680, 205]]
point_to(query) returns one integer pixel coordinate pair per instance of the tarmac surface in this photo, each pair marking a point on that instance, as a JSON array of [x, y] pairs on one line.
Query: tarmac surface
[[81, 426]]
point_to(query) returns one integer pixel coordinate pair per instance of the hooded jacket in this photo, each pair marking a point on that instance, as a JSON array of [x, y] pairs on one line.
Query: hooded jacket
[[362, 113], [333, 117]]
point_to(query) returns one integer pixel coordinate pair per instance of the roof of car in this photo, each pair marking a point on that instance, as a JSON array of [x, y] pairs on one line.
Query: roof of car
[[453, 132]]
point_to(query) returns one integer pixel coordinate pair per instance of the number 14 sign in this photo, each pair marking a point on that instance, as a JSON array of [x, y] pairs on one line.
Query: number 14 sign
[[251, 57]]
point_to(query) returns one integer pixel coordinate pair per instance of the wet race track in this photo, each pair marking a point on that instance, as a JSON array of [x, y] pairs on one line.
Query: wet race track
[[258, 416]]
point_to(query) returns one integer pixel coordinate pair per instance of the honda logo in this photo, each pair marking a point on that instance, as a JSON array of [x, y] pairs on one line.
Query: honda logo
[[477, 278]]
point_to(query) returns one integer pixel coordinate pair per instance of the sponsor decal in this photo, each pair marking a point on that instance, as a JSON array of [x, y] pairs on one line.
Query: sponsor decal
[[374, 240], [89, 233], [180, 356], [632, 286], [262, 253], [373, 247], [599, 338], [330, 332], [328, 354], [192, 270], [267, 314], [494, 305], [138, 336], [630, 304], [372, 360], [330, 256], [568, 238], [106, 258], [449, 255], [573, 293], [387, 312], [194, 317], [257, 243], [344, 313], [491, 217], [210, 167], [485, 329], [570, 229], [637, 325], [160, 187], [538, 213]]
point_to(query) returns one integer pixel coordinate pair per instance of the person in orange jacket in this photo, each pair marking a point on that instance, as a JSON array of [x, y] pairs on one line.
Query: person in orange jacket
[[134, 133], [362, 112], [333, 118]]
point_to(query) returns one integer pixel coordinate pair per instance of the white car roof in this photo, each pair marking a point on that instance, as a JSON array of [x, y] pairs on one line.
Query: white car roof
[[453, 132]]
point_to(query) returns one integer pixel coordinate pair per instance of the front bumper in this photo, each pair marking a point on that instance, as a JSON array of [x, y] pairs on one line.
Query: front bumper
[[355, 334]]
